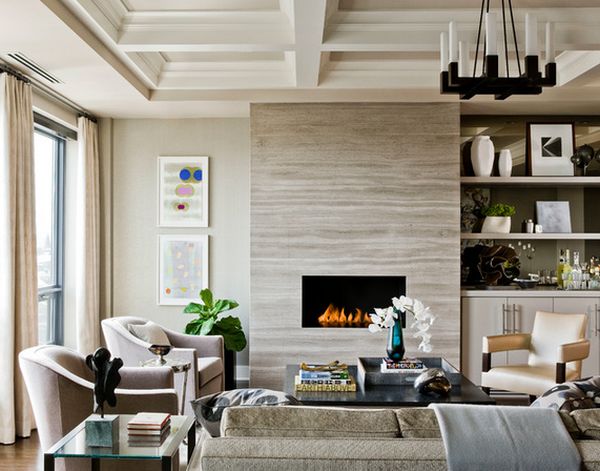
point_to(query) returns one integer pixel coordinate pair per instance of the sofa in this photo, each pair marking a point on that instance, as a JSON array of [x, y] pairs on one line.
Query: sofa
[[315, 439]]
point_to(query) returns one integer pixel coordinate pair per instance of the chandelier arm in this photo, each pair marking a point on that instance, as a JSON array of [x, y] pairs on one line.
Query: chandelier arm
[[505, 39], [478, 38], [512, 19], [484, 65]]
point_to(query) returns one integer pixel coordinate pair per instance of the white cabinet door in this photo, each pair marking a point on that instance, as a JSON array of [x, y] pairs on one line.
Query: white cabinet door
[[480, 317], [521, 316], [589, 306]]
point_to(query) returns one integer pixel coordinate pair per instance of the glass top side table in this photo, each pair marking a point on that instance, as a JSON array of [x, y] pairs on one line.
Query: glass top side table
[[178, 366], [73, 445]]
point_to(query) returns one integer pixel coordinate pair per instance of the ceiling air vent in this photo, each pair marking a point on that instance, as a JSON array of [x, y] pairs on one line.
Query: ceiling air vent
[[33, 67]]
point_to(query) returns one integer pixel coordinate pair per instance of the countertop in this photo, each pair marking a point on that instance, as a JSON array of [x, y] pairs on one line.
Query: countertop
[[515, 291]]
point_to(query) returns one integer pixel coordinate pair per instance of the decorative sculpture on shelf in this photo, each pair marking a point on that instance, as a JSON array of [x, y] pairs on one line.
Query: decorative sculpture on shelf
[[583, 156], [498, 265], [107, 377]]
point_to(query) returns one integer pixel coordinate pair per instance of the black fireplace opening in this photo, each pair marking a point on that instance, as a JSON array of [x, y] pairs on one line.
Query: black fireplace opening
[[346, 300]]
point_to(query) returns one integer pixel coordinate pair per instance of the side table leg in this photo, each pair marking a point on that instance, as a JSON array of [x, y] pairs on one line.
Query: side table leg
[[183, 393], [95, 464], [166, 463], [48, 462], [191, 442]]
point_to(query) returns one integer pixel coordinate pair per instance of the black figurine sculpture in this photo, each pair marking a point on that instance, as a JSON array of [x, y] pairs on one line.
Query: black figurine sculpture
[[107, 377]]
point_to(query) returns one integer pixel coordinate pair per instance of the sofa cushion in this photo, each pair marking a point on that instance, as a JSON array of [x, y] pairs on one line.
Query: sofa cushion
[[421, 422], [209, 409], [208, 369], [570, 396], [301, 421], [588, 421], [149, 332]]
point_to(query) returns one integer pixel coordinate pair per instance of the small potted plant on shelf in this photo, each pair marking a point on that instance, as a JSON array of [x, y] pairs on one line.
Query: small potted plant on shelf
[[497, 218], [209, 323]]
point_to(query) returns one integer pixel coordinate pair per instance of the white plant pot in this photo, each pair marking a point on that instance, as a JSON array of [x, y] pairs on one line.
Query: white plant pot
[[482, 156], [505, 163], [496, 224]]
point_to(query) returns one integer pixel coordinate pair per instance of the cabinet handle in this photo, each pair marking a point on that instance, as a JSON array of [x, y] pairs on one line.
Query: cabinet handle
[[596, 319], [514, 315], [505, 319]]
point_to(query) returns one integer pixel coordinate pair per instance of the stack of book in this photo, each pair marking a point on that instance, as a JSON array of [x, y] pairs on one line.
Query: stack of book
[[148, 429], [321, 378], [407, 365]]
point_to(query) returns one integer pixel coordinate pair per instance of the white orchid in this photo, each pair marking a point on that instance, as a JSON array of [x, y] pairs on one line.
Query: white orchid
[[423, 318]]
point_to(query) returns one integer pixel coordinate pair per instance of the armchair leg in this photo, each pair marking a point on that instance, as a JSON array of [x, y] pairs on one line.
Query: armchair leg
[[486, 362], [561, 373], [485, 390], [532, 398]]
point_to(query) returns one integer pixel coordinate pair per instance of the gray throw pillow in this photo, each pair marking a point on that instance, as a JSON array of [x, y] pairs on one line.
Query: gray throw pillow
[[149, 332], [209, 409], [572, 395]]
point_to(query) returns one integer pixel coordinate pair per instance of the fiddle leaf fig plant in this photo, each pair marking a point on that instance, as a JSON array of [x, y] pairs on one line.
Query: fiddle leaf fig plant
[[208, 321]]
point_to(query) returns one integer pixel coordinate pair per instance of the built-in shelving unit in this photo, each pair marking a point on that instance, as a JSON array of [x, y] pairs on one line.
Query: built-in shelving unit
[[540, 182], [525, 236]]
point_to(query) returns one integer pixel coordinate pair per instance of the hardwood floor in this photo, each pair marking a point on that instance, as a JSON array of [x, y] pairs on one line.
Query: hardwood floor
[[24, 455]]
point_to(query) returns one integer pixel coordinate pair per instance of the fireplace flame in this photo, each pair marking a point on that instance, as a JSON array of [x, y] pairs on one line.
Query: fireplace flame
[[336, 317]]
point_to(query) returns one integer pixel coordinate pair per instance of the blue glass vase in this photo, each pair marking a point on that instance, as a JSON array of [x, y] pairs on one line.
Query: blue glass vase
[[395, 343]]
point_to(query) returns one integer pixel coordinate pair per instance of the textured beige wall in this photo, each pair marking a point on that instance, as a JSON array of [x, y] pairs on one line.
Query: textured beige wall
[[136, 145], [350, 189]]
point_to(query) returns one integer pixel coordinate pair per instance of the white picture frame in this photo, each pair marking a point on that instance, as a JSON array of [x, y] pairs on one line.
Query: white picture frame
[[183, 202], [550, 147], [183, 268]]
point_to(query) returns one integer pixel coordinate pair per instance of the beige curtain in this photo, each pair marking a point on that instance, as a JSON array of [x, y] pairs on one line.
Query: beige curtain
[[87, 285], [18, 258]]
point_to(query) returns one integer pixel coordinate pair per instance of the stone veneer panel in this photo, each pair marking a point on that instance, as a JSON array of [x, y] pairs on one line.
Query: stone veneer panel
[[350, 188]]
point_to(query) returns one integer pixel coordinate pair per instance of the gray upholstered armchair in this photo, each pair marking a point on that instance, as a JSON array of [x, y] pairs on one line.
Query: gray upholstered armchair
[[205, 353], [60, 388]]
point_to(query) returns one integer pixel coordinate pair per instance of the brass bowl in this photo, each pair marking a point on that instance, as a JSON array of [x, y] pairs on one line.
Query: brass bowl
[[160, 351]]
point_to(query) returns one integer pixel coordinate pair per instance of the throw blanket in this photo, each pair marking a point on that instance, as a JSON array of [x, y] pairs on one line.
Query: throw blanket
[[505, 438]]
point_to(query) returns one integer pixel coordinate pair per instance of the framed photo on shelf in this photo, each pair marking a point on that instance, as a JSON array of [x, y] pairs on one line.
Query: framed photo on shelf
[[183, 191], [549, 149], [182, 268], [554, 216]]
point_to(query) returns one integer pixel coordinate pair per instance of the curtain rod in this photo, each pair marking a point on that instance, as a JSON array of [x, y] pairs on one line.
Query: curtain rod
[[5, 67]]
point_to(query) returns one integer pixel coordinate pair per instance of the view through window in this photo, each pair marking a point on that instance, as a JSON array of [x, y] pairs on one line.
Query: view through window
[[48, 163]]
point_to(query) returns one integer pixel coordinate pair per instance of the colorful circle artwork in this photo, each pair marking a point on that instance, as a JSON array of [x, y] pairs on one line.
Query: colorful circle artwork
[[185, 174], [198, 175], [184, 190], [179, 206]]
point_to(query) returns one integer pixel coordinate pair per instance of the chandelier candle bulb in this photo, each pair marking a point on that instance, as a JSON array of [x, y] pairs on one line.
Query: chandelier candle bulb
[[491, 34], [453, 38], [550, 49], [463, 58], [531, 35], [444, 52]]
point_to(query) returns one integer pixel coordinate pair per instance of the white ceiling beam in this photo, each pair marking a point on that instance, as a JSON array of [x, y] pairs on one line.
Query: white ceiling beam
[[309, 23], [577, 68], [223, 80]]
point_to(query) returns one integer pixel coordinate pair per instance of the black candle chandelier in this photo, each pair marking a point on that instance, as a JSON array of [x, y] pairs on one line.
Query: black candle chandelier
[[456, 76]]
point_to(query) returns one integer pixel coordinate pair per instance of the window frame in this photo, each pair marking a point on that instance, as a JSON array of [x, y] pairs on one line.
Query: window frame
[[55, 293]]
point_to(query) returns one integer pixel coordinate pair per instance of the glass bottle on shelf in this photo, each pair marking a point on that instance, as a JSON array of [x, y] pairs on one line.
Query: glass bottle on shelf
[[576, 272], [559, 269], [566, 271]]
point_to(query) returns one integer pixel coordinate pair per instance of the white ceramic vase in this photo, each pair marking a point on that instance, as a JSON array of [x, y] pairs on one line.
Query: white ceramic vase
[[505, 163], [496, 224], [482, 156]]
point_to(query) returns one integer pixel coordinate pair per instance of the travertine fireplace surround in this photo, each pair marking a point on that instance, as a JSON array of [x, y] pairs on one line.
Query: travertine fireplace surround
[[350, 188]]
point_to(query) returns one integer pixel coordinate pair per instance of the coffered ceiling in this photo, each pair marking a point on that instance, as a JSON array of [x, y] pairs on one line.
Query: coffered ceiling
[[237, 51]]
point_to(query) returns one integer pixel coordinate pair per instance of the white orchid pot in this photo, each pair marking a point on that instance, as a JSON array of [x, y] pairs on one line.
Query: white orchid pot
[[496, 224], [482, 156]]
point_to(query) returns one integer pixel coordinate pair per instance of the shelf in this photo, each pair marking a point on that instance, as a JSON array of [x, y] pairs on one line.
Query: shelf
[[532, 181], [522, 236]]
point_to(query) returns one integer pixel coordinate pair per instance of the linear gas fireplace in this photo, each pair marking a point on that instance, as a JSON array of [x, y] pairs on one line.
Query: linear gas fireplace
[[346, 301]]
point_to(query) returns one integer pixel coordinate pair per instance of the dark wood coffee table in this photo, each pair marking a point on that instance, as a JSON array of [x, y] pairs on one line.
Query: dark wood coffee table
[[463, 392]]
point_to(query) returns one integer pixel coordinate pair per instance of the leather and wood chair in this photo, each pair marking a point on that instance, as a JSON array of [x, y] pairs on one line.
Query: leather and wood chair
[[205, 353], [556, 346]]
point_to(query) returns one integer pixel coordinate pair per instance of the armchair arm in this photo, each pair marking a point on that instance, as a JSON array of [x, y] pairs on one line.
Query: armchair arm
[[573, 351], [205, 345], [145, 400], [155, 377], [503, 343]]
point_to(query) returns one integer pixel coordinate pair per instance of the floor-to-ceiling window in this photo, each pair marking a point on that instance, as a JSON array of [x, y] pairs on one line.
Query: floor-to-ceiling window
[[49, 154]]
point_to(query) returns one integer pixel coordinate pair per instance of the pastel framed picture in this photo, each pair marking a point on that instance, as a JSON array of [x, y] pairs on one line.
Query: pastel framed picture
[[183, 191]]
